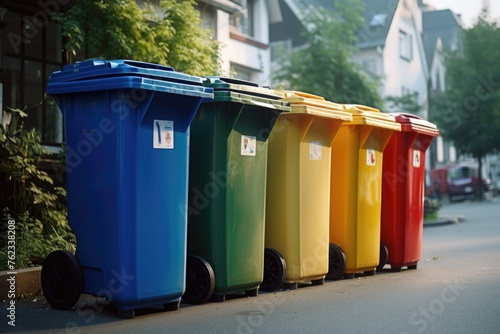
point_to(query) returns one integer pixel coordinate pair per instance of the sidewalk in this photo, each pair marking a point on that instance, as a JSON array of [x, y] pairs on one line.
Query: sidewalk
[[448, 213], [444, 218]]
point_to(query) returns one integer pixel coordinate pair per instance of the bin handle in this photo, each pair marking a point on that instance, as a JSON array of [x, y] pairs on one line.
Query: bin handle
[[407, 115], [231, 81], [148, 65], [290, 93], [84, 65], [360, 107]]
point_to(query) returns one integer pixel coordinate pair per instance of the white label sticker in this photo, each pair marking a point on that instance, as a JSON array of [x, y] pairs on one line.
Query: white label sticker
[[315, 150], [163, 134], [370, 157], [416, 159], [248, 145]]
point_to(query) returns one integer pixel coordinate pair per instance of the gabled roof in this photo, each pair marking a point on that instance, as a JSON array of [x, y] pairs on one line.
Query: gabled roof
[[443, 24], [294, 12], [301, 7], [378, 15]]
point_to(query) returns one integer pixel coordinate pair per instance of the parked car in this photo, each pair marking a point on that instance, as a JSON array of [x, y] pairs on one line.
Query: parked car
[[463, 180]]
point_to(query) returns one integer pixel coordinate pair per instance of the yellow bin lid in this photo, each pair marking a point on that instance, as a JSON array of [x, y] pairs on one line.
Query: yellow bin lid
[[364, 115], [305, 103]]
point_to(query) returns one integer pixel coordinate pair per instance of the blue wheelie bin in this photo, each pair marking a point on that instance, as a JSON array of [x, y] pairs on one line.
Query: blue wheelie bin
[[127, 142]]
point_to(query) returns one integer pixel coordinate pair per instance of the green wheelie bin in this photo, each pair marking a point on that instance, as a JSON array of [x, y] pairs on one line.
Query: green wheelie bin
[[227, 189]]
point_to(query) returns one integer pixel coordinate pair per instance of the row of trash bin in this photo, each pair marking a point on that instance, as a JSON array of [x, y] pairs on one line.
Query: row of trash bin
[[189, 188]]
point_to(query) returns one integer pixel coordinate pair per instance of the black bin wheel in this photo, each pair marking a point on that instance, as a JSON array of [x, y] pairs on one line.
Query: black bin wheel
[[274, 270], [62, 279], [200, 280], [384, 256], [336, 262]]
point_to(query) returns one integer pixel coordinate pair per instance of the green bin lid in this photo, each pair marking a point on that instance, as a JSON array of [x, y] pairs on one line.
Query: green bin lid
[[242, 86], [245, 92]]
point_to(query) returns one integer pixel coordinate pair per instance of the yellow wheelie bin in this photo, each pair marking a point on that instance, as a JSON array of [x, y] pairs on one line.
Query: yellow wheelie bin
[[356, 191], [298, 191]]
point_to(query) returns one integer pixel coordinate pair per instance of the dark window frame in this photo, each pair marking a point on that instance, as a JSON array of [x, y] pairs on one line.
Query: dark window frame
[[44, 59]]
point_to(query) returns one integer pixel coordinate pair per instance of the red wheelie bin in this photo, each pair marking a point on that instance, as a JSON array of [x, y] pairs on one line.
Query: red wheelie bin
[[403, 189]]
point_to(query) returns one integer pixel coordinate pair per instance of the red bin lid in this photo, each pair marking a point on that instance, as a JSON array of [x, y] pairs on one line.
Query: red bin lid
[[414, 123]]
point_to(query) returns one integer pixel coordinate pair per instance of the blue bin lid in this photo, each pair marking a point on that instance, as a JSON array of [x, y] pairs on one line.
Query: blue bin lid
[[99, 68], [129, 82], [98, 74]]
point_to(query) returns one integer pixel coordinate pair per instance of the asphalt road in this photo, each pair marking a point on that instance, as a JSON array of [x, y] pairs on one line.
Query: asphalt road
[[456, 289]]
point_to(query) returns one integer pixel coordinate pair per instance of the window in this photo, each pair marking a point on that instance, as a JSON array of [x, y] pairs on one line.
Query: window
[[405, 46], [404, 91], [244, 22], [31, 51], [378, 20], [407, 93], [280, 48], [370, 65], [242, 72]]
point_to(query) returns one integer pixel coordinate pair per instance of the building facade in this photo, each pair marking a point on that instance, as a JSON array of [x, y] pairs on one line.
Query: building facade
[[441, 32], [390, 46], [31, 48], [242, 26]]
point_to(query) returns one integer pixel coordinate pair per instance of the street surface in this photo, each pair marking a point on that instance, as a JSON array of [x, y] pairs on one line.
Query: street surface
[[456, 289]]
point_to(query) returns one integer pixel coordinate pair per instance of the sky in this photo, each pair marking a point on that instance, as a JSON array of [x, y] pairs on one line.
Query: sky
[[468, 8]]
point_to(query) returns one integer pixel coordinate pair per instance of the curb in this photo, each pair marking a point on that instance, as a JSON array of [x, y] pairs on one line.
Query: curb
[[26, 283], [444, 220]]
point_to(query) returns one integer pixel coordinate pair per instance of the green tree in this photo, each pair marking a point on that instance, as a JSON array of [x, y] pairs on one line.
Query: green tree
[[469, 113], [406, 103], [325, 67], [170, 34]]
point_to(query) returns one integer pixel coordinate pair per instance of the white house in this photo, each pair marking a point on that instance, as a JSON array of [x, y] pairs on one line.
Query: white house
[[390, 45], [441, 32], [242, 26]]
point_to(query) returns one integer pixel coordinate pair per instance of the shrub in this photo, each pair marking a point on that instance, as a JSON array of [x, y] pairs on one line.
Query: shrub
[[29, 197]]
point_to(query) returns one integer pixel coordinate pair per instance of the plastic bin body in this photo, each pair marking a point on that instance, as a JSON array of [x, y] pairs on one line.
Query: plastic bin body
[[227, 181], [356, 186], [298, 187], [403, 186], [124, 188]]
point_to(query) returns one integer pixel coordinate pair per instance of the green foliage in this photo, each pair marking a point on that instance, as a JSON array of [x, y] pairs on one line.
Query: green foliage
[[469, 111], [29, 197], [170, 35], [431, 208], [325, 67]]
